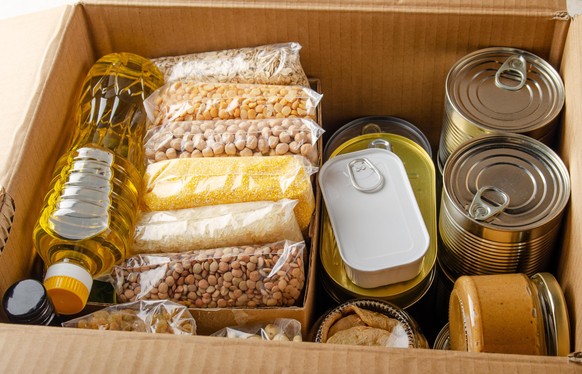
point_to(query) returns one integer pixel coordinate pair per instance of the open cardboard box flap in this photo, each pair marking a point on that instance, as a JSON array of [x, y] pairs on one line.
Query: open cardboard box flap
[[373, 57], [73, 350]]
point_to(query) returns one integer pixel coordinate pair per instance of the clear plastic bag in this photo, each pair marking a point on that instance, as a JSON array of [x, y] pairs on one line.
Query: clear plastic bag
[[266, 64], [155, 316], [280, 329], [267, 137], [251, 276], [216, 226], [188, 183], [187, 100]]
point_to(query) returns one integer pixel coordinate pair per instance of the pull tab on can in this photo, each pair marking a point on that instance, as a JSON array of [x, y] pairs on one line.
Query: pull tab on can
[[365, 177], [515, 66], [380, 143], [483, 208], [371, 128]]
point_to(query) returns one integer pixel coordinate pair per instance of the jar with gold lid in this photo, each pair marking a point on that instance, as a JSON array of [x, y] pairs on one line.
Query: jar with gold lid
[[509, 313]]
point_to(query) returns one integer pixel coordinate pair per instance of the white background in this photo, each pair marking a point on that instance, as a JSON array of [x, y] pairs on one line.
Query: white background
[[12, 8]]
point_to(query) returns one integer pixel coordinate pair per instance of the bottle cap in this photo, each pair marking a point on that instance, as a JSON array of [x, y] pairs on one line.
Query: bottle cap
[[68, 286], [27, 302]]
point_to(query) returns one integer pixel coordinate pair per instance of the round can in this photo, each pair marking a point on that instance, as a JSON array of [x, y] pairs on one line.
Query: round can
[[509, 313], [375, 125], [420, 170], [496, 90], [415, 337], [501, 207], [443, 339]]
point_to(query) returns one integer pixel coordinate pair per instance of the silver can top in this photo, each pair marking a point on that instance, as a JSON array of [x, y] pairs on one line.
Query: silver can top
[[506, 89], [507, 182]]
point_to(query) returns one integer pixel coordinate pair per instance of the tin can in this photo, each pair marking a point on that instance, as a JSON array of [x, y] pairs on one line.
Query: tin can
[[501, 207], [379, 229], [376, 125], [420, 170], [500, 90], [443, 339], [509, 313]]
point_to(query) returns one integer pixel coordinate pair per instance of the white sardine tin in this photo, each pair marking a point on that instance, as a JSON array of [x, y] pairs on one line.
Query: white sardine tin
[[381, 235]]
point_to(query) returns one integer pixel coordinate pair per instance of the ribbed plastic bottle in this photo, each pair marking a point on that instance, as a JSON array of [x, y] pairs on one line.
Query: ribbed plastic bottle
[[89, 213]]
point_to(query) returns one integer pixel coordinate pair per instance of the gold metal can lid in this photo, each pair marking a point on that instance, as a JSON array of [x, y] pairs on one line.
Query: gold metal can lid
[[505, 89], [420, 170], [373, 125]]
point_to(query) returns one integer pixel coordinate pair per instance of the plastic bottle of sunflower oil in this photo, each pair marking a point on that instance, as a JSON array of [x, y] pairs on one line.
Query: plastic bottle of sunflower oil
[[89, 213]]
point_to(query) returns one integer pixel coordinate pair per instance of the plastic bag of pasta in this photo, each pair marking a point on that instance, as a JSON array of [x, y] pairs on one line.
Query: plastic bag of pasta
[[266, 64], [280, 329], [152, 316]]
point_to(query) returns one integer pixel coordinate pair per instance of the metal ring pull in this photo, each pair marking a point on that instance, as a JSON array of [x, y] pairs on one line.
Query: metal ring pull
[[365, 177], [514, 65], [371, 128], [483, 208], [381, 144]]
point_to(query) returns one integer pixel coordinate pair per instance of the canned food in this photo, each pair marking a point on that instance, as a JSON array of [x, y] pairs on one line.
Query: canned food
[[502, 204], [420, 171], [500, 90], [509, 313], [369, 322], [380, 232], [443, 339], [376, 125]]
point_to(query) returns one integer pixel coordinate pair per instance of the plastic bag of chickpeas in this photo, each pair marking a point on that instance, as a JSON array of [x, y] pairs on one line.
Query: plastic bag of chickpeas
[[233, 137]]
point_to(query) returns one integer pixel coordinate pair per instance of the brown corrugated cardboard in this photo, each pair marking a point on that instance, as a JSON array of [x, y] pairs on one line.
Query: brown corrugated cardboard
[[140, 353], [373, 57], [571, 258]]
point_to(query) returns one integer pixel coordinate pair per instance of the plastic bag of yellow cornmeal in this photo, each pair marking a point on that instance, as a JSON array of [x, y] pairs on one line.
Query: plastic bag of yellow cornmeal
[[187, 183]]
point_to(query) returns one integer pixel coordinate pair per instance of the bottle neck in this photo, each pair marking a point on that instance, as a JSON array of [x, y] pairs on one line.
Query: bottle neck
[[27, 302]]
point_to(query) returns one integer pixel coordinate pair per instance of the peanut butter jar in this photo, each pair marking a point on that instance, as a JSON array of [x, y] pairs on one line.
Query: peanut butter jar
[[509, 313]]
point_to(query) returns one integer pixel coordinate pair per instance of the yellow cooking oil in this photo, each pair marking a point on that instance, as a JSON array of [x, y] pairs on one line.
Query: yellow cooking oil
[[88, 217]]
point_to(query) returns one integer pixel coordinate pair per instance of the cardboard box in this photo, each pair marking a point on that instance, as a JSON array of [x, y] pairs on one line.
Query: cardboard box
[[372, 57]]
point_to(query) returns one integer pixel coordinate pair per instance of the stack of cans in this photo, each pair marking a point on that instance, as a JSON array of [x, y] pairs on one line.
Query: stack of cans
[[504, 190], [412, 147]]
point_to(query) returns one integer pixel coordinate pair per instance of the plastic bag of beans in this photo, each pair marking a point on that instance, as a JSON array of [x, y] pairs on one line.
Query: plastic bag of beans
[[187, 100], [245, 276], [188, 183], [266, 137], [280, 329], [266, 64], [216, 226], [155, 316]]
